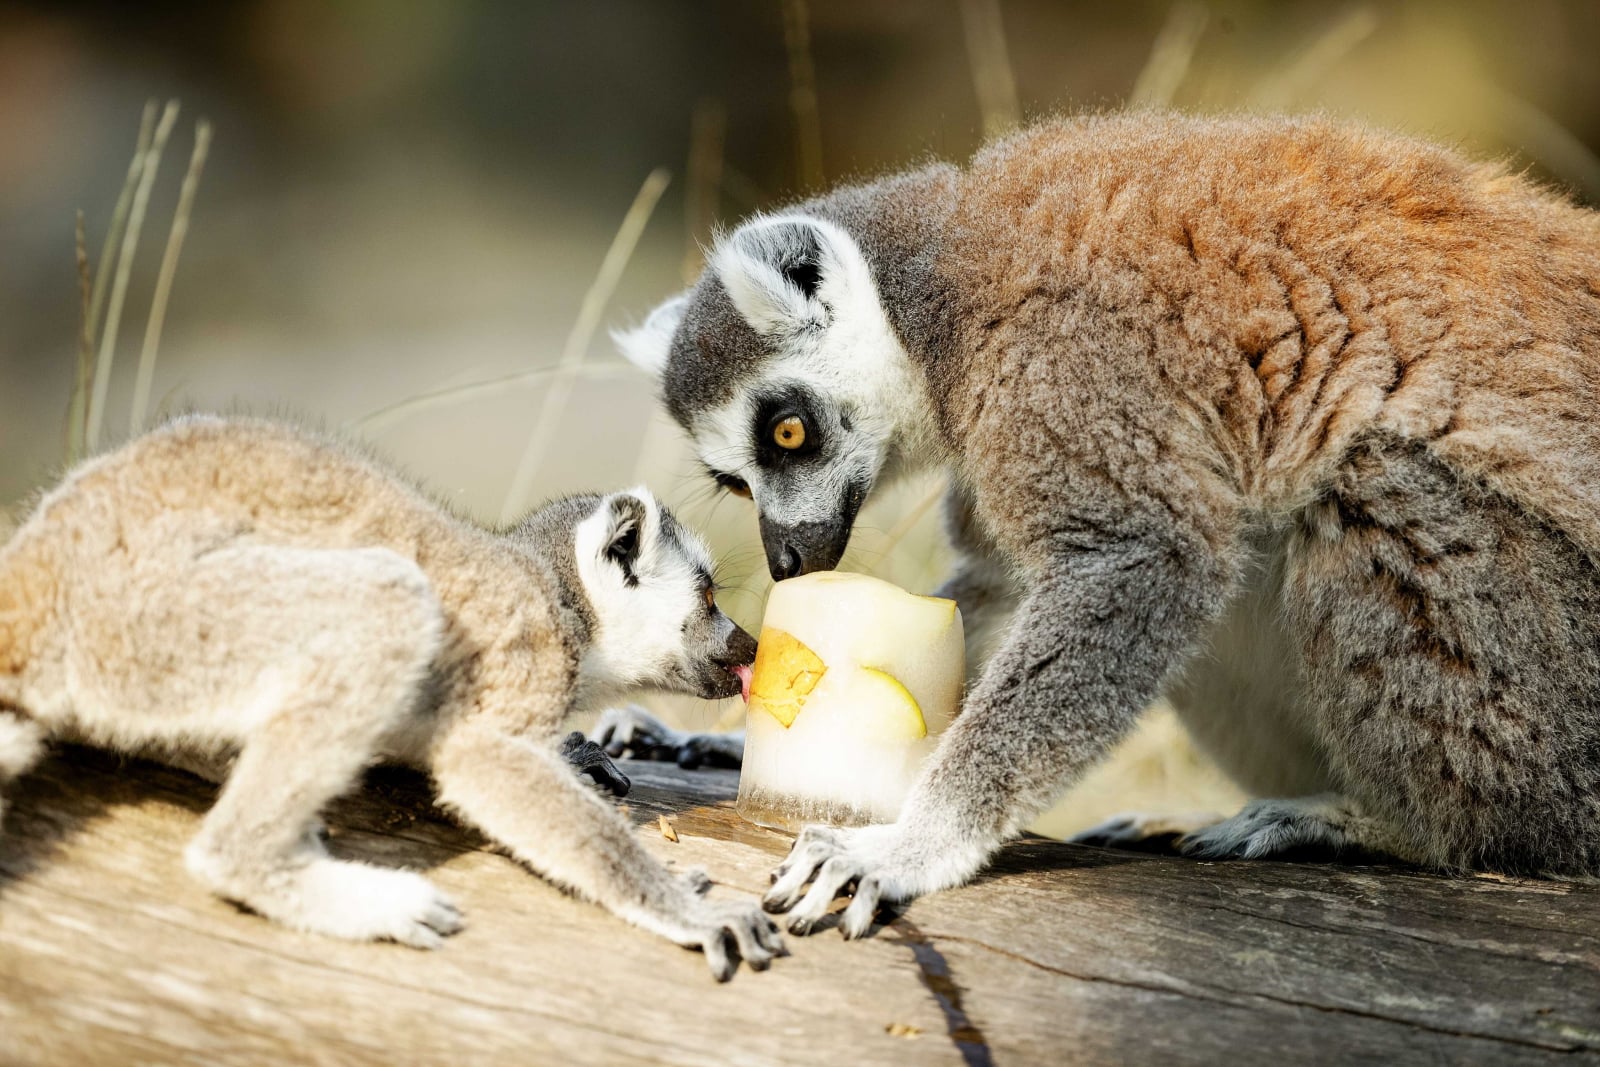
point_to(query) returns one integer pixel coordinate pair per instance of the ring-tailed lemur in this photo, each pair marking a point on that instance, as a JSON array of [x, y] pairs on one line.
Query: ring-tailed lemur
[[242, 591], [1291, 419]]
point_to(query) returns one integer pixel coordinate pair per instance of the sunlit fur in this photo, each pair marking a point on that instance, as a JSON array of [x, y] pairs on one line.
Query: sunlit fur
[[1289, 419], [241, 592]]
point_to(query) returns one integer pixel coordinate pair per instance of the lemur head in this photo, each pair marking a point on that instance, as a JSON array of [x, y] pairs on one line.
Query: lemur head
[[784, 369], [641, 586]]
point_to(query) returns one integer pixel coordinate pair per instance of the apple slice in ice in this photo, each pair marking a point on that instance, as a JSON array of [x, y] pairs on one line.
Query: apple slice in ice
[[888, 710], [854, 679], [785, 673]]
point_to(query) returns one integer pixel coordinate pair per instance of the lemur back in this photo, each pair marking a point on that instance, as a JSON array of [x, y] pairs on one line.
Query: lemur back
[[1306, 281]]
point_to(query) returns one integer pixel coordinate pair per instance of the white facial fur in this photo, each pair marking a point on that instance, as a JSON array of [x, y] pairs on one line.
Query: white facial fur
[[838, 342], [639, 628]]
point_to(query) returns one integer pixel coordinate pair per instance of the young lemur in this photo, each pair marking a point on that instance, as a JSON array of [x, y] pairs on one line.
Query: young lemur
[[1291, 420], [239, 590]]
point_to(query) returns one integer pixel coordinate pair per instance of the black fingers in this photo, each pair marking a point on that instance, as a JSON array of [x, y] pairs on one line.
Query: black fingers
[[589, 758]]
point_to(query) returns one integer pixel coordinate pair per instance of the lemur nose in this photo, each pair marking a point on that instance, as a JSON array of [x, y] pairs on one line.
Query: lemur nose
[[787, 564]]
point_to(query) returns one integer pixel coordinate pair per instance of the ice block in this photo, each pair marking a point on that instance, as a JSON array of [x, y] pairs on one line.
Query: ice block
[[854, 680]]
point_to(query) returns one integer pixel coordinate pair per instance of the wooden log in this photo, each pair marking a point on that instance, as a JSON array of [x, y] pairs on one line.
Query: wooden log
[[110, 954]]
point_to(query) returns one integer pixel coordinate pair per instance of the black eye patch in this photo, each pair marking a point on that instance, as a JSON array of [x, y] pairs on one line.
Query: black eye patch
[[795, 401]]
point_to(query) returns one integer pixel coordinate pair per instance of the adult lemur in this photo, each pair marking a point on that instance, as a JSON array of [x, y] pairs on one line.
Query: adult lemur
[[1291, 420], [242, 592]]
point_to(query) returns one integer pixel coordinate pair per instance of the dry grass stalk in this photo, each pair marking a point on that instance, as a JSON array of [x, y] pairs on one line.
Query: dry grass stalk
[[1546, 140], [377, 422], [78, 408], [169, 267], [94, 303], [911, 518], [668, 831], [119, 287], [1314, 61], [119, 216], [803, 93], [1170, 56], [578, 340], [707, 129], [992, 78]]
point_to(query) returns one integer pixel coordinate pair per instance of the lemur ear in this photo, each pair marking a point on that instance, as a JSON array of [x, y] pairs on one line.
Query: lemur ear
[[647, 346], [625, 518], [773, 269]]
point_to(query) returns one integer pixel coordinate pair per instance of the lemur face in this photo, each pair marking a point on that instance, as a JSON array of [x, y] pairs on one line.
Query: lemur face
[[784, 369], [648, 582]]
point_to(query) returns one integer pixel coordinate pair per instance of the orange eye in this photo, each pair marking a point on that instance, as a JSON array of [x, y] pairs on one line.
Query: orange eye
[[790, 433], [711, 599]]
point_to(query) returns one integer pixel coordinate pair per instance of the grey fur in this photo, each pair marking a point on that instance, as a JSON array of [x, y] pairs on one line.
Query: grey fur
[[1272, 412]]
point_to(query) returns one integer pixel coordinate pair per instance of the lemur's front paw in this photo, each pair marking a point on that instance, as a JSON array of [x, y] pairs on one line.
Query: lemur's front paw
[[716, 926], [833, 860], [589, 758], [632, 731]]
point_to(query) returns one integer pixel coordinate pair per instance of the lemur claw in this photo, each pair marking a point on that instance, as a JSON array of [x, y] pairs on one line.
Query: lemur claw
[[834, 862], [589, 758]]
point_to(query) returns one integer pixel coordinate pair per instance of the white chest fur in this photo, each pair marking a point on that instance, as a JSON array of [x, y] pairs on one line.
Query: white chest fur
[[1241, 695]]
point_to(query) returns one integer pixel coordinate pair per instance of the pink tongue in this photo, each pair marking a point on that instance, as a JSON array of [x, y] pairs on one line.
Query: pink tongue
[[744, 682]]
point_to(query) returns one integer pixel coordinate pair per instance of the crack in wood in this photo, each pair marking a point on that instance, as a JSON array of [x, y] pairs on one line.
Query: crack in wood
[[1468, 945], [947, 993], [1231, 998]]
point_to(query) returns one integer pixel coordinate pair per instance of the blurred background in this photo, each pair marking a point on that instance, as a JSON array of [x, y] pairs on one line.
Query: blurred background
[[418, 218]]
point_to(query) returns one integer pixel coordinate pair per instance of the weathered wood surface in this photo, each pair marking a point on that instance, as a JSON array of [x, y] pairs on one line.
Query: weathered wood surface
[[109, 954]]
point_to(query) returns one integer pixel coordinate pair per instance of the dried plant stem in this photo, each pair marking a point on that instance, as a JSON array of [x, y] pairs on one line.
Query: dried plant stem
[[1546, 140], [119, 217], [583, 330], [803, 93], [169, 267], [909, 520], [1314, 61], [378, 421], [119, 287], [992, 78], [78, 409], [740, 188], [703, 181], [1170, 56]]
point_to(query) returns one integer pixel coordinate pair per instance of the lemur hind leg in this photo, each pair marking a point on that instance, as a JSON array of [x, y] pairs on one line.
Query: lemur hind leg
[[1146, 831], [632, 731], [1323, 826], [319, 653], [1452, 650]]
